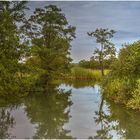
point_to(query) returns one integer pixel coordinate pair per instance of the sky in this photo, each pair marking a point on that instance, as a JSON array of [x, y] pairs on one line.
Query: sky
[[123, 17]]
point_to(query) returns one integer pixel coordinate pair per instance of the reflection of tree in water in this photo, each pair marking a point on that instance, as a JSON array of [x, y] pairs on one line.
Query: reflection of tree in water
[[128, 125], [6, 122], [103, 132], [125, 123], [103, 120], [80, 84], [50, 112]]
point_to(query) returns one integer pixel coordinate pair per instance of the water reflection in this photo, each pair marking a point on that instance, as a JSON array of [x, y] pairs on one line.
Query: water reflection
[[117, 122], [79, 84], [127, 122], [102, 119], [70, 111], [50, 112], [6, 122]]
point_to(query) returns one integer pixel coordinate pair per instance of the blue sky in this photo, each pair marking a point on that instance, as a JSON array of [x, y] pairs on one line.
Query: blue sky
[[123, 17]]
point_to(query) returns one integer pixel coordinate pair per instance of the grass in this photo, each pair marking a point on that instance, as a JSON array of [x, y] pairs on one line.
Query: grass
[[80, 73]]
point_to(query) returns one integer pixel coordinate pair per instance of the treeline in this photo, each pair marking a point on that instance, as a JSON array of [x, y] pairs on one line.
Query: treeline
[[94, 64], [33, 50]]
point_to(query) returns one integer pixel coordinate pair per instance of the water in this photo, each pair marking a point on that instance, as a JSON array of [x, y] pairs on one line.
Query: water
[[70, 111]]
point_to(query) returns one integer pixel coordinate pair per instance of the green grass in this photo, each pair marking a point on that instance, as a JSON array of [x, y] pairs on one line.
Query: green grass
[[80, 73]]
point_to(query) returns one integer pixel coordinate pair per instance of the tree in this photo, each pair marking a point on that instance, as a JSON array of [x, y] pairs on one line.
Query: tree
[[107, 48], [50, 36], [11, 49], [129, 60]]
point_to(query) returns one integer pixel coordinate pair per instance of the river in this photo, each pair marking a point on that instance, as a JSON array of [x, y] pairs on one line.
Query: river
[[69, 111]]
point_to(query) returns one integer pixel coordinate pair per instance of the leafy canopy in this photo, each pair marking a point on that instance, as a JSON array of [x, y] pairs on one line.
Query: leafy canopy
[[107, 49], [11, 48], [50, 36]]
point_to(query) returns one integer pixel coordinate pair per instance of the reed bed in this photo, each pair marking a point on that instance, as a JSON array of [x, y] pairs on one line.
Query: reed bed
[[86, 74]]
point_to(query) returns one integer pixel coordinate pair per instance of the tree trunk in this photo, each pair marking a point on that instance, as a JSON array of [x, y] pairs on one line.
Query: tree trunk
[[102, 68], [101, 61]]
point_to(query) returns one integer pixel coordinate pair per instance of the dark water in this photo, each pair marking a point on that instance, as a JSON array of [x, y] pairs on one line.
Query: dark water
[[76, 111]]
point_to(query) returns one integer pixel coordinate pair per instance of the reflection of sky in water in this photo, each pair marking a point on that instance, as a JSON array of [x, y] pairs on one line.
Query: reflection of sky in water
[[23, 128], [115, 134], [85, 102], [82, 118]]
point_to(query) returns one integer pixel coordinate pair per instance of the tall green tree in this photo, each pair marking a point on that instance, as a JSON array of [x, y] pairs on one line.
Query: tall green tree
[[107, 48], [12, 14], [50, 35]]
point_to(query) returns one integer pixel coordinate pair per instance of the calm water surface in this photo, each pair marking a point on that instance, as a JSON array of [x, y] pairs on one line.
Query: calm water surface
[[69, 111]]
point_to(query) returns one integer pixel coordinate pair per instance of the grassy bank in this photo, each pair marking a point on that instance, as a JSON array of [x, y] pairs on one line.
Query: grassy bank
[[123, 91], [79, 73]]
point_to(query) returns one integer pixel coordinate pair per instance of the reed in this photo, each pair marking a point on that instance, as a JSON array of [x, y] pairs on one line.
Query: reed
[[86, 74]]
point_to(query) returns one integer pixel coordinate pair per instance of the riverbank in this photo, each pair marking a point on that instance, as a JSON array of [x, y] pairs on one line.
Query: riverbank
[[122, 85], [123, 91]]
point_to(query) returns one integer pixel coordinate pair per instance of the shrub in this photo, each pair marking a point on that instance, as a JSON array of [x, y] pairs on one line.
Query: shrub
[[134, 102], [119, 90], [122, 85]]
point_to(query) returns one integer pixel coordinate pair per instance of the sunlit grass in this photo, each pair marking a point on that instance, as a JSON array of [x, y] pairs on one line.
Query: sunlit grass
[[87, 74]]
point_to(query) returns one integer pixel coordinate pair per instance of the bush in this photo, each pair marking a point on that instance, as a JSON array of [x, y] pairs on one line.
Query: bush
[[134, 102], [119, 90], [122, 85]]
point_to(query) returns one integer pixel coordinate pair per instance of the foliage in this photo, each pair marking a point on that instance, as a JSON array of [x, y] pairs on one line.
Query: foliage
[[94, 64], [122, 84], [119, 90], [107, 48], [33, 50], [134, 102], [12, 50], [91, 64], [50, 36], [128, 63]]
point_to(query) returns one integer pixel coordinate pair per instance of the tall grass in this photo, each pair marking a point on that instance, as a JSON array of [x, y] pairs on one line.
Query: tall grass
[[86, 74]]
